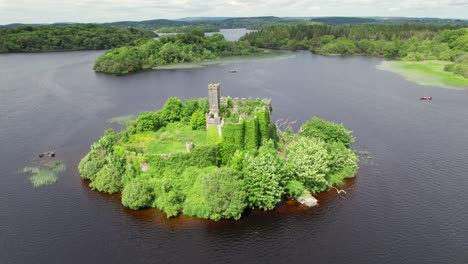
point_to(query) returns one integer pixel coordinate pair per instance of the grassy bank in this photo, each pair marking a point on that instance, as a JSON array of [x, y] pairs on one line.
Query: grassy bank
[[429, 73]]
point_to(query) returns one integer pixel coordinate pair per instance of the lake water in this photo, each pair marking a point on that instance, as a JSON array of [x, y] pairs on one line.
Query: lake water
[[231, 34], [408, 206]]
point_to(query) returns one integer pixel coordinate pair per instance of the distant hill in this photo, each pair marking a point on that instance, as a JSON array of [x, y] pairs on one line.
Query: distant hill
[[369, 20], [343, 20], [256, 22], [202, 18]]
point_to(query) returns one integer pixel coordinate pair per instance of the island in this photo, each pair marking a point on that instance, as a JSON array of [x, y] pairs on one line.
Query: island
[[167, 50], [216, 157]]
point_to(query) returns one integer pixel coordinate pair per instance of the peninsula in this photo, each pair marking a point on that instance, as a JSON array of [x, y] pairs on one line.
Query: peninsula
[[182, 48], [215, 157]]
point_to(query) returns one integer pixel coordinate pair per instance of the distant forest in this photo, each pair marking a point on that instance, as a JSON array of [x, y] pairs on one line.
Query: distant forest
[[70, 37], [386, 20], [413, 42]]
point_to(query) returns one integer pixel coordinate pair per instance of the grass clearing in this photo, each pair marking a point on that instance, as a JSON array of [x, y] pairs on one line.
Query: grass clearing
[[171, 139], [429, 73]]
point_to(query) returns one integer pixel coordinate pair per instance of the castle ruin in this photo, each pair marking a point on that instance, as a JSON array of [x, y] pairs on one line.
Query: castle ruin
[[213, 117]]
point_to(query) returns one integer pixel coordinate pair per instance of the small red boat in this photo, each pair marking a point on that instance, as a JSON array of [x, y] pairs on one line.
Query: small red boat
[[426, 98], [232, 71]]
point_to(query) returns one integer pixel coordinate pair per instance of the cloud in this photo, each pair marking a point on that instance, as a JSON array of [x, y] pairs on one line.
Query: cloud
[[45, 11]]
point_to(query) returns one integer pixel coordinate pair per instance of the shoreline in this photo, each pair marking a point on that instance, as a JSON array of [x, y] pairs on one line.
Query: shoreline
[[426, 73]]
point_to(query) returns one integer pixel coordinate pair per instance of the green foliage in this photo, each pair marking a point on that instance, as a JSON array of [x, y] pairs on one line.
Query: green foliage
[[327, 131], [340, 46], [232, 140], [46, 174], [402, 41], [199, 156], [294, 189], [191, 182], [172, 110], [168, 193], [70, 37], [109, 178], [224, 194], [264, 124], [198, 120], [343, 163], [212, 135], [91, 164], [189, 107], [95, 160], [149, 121], [263, 177], [182, 48], [251, 134], [137, 194], [310, 162]]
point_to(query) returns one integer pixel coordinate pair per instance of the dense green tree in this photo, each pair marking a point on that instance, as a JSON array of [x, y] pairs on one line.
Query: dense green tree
[[136, 195], [109, 178], [224, 194], [149, 121], [399, 41], [263, 177], [198, 120], [69, 37], [295, 189], [343, 162], [327, 131], [182, 48], [310, 163], [172, 110]]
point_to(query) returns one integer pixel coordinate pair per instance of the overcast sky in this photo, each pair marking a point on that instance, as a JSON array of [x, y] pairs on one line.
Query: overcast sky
[[47, 11]]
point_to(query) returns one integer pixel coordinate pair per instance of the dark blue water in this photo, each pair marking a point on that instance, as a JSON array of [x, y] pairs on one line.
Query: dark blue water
[[409, 206]]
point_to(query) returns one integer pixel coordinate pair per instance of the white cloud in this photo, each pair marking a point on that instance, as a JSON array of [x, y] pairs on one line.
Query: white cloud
[[45, 11]]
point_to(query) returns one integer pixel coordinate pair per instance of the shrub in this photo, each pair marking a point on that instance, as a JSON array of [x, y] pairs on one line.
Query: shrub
[[149, 121], [188, 108], [95, 160], [136, 195], [224, 194], [263, 177], [294, 189], [90, 165], [309, 161], [172, 110], [343, 163], [109, 178], [327, 131], [198, 120]]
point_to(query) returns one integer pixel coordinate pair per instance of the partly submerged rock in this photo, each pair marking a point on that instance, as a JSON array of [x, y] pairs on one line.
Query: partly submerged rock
[[307, 199], [47, 154]]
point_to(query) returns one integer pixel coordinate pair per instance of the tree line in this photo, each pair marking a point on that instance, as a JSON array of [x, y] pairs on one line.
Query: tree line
[[70, 37], [182, 48], [414, 42]]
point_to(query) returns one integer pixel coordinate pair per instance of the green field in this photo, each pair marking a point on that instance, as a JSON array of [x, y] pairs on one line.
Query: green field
[[429, 73], [171, 139]]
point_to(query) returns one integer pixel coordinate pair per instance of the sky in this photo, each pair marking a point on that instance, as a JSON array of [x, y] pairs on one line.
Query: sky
[[49, 11]]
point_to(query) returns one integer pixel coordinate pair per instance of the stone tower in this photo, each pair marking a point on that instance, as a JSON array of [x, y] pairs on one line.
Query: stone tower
[[213, 98]]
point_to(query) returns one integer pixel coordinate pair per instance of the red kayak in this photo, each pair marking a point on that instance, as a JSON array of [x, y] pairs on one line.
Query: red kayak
[[232, 71], [426, 98]]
